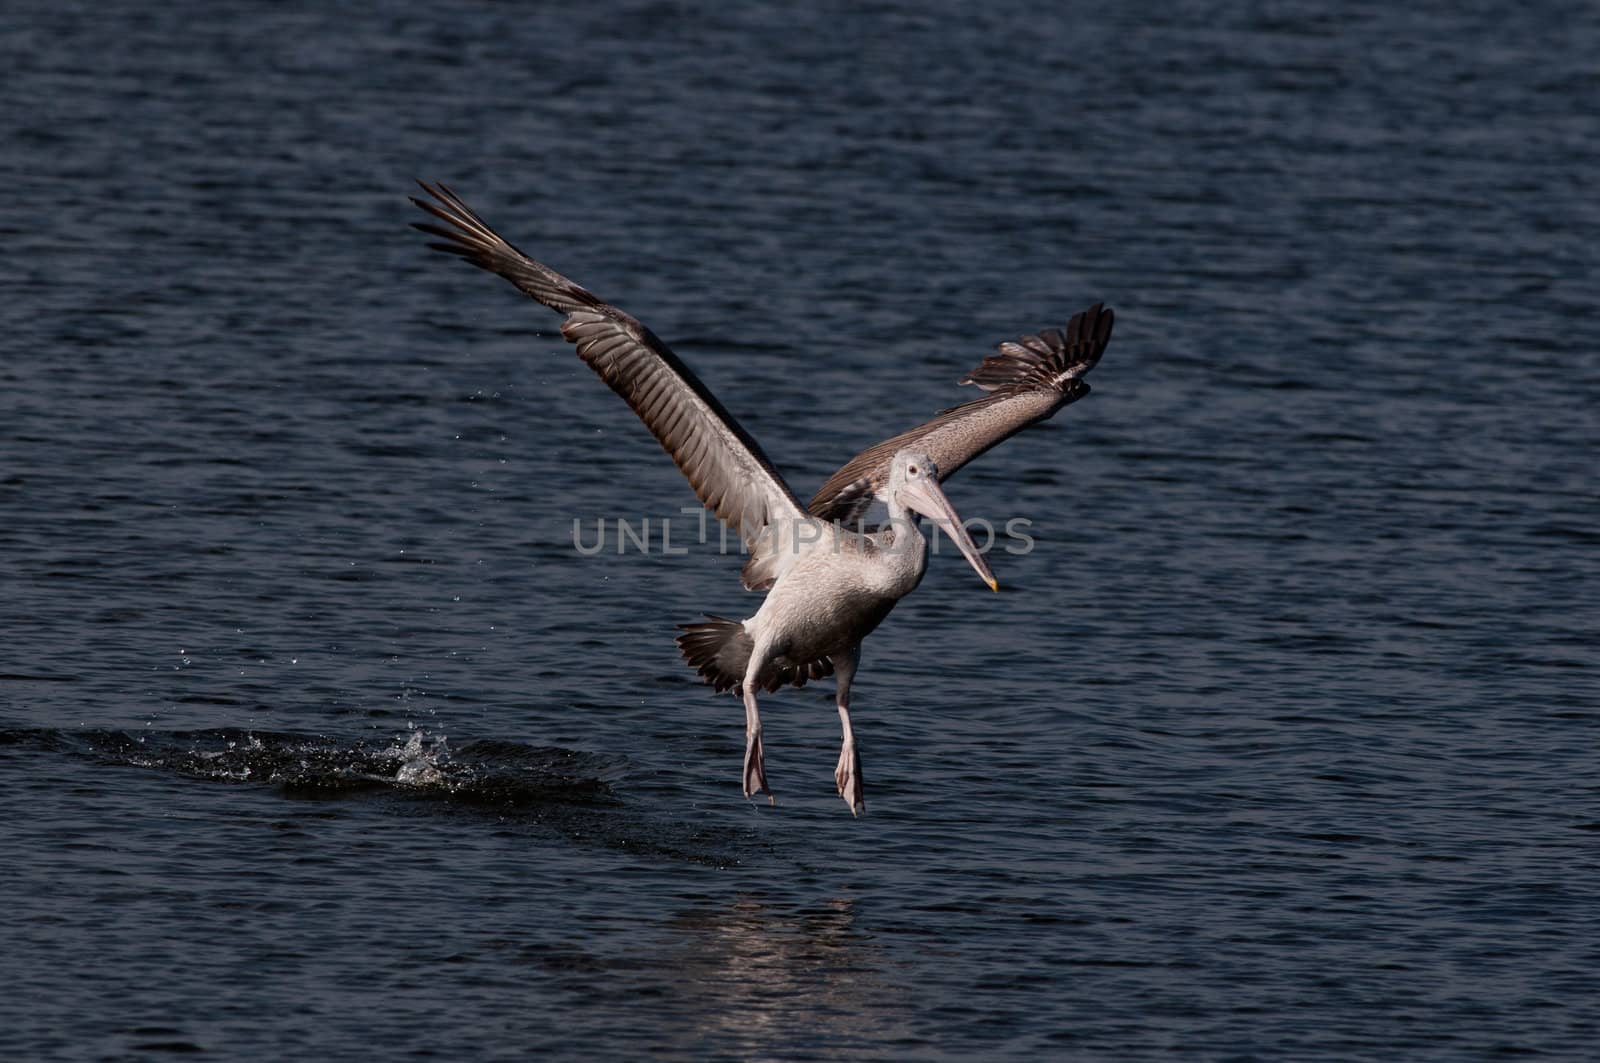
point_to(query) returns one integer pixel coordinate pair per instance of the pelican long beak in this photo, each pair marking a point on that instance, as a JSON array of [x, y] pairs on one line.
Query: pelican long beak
[[928, 498]]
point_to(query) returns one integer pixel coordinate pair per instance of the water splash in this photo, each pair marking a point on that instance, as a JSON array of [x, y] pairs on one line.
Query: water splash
[[506, 775], [422, 762]]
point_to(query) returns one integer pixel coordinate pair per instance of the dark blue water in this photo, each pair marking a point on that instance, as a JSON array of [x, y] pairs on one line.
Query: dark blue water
[[318, 738]]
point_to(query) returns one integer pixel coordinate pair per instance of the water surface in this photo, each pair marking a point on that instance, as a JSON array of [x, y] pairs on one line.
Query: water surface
[[317, 735]]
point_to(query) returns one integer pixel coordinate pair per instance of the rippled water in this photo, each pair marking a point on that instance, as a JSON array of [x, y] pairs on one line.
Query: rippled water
[[318, 736]]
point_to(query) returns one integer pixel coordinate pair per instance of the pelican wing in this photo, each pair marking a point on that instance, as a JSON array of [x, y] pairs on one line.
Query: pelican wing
[[725, 466], [1028, 381]]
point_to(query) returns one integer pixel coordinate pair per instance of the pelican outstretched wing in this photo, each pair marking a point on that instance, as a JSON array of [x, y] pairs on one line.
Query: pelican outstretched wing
[[1028, 380], [725, 466]]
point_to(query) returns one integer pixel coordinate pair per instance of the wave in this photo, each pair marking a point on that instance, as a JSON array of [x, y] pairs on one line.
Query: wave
[[504, 774], [567, 791]]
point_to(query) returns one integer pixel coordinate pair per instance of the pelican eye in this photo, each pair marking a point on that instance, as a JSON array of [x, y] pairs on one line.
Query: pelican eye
[[911, 470]]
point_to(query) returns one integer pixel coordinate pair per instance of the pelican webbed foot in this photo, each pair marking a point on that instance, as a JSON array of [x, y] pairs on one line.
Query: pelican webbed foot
[[848, 778], [755, 768]]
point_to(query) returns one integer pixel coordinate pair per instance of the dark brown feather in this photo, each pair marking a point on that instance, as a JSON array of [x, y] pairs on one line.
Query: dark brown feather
[[1047, 359], [719, 650], [726, 467], [1029, 380]]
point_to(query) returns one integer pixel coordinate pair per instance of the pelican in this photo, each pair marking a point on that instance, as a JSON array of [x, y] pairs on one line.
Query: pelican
[[829, 581]]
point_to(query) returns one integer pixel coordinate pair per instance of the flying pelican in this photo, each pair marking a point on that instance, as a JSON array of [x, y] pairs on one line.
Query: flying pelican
[[829, 587]]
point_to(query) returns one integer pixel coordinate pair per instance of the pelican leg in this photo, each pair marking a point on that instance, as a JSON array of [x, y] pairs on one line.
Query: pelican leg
[[755, 767], [848, 774]]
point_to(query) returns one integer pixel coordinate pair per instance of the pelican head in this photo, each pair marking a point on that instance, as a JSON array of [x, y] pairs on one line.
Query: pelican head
[[914, 485]]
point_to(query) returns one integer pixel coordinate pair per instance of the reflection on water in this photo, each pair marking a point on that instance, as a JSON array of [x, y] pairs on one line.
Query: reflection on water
[[760, 978]]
